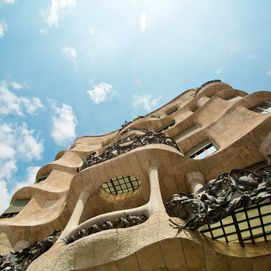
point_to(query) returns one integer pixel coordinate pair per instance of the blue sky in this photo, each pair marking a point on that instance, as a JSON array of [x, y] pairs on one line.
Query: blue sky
[[82, 67]]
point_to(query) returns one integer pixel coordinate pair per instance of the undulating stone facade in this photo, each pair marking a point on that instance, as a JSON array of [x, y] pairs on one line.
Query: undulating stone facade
[[186, 187]]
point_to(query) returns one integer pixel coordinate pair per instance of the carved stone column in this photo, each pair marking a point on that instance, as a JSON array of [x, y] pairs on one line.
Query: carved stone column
[[156, 202], [76, 214]]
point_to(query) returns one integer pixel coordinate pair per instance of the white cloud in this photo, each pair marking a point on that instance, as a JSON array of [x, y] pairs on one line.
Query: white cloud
[[15, 85], [3, 29], [4, 196], [56, 9], [28, 147], [6, 152], [63, 123], [10, 103], [71, 54], [8, 168], [30, 178], [145, 101], [143, 22], [7, 1], [268, 73], [32, 105], [101, 92], [251, 56], [17, 143]]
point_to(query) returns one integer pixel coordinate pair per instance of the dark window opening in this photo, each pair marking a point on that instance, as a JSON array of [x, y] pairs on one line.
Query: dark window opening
[[42, 178], [263, 108], [14, 208]]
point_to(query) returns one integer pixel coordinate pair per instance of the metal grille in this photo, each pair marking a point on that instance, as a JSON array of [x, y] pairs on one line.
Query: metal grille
[[245, 225], [121, 184]]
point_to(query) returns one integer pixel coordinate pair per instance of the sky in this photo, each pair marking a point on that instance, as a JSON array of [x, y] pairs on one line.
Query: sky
[[82, 67]]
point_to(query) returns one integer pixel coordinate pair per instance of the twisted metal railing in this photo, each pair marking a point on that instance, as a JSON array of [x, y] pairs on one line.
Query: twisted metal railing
[[121, 222], [20, 260], [221, 197], [128, 143], [208, 82]]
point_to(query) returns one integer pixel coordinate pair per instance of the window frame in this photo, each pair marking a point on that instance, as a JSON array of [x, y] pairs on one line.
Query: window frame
[[200, 148]]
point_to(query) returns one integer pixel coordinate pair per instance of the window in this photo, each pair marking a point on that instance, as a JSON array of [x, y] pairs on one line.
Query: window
[[14, 208], [121, 184], [186, 132], [165, 127], [245, 225], [42, 178], [263, 108], [202, 150]]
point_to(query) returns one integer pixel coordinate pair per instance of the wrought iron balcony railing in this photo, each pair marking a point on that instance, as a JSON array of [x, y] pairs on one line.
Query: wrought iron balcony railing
[[234, 207], [128, 143]]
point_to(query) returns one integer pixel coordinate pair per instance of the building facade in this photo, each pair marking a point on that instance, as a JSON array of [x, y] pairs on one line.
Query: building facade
[[186, 187]]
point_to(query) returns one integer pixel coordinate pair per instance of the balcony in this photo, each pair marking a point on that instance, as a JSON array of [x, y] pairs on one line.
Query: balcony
[[128, 143], [235, 207]]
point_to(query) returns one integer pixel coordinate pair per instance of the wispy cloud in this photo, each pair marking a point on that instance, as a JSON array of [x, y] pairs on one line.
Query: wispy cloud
[[29, 147], [15, 85], [57, 9], [17, 139], [268, 73], [143, 22], [145, 101], [10, 103], [71, 54], [101, 92], [17, 143], [3, 29], [4, 196], [63, 123]]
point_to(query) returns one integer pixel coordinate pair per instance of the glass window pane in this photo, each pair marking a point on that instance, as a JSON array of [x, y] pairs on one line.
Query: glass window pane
[[259, 239], [232, 238], [217, 232]]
